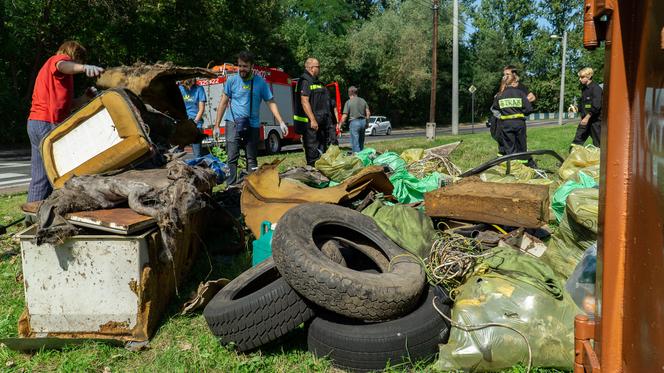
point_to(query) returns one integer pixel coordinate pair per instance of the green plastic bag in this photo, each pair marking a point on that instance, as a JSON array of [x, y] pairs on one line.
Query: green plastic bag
[[547, 322], [392, 160], [338, 166], [407, 227], [519, 173], [409, 189], [580, 157], [367, 156], [412, 155], [577, 231], [559, 199], [521, 267]]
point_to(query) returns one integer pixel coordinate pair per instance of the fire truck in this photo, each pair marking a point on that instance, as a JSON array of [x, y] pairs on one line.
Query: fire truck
[[283, 90]]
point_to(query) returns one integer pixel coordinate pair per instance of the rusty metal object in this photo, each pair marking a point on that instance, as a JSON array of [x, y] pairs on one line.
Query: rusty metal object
[[631, 242], [590, 39], [517, 205], [584, 331], [154, 289]]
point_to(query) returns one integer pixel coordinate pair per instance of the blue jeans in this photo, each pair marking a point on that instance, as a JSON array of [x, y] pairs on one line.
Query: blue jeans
[[357, 127], [40, 188]]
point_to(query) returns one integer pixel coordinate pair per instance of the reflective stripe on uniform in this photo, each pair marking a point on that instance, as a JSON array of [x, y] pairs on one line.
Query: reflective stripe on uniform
[[588, 106], [301, 119], [513, 116], [315, 86]]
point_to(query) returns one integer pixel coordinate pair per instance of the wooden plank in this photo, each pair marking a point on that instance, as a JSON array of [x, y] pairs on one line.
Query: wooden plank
[[517, 205], [118, 220]]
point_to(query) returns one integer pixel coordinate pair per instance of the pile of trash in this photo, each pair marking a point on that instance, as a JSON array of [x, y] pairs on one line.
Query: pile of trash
[[389, 259], [385, 258]]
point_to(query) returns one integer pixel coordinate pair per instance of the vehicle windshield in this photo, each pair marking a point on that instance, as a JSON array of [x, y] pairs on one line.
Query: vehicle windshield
[[373, 119]]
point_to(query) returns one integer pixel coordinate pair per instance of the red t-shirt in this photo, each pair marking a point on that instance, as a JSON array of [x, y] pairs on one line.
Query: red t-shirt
[[51, 98]]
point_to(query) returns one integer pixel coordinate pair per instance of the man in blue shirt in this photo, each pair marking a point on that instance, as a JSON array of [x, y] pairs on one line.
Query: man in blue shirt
[[194, 101], [244, 91]]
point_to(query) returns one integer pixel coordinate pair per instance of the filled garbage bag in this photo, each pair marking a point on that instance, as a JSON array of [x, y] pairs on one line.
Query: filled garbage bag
[[522, 267], [581, 284], [391, 160], [559, 199], [406, 226], [213, 163], [580, 157], [367, 155], [547, 323], [338, 166], [409, 189], [577, 232], [412, 155], [519, 173]]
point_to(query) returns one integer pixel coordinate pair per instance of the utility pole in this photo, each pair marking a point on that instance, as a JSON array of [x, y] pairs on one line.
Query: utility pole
[[561, 105], [431, 126], [455, 70]]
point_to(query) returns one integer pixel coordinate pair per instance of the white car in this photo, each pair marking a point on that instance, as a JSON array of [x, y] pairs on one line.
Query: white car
[[378, 126]]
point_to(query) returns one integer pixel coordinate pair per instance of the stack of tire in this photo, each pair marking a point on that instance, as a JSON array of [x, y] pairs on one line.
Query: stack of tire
[[363, 298]]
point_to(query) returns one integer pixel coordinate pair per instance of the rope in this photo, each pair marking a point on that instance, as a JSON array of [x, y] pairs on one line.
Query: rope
[[470, 328]]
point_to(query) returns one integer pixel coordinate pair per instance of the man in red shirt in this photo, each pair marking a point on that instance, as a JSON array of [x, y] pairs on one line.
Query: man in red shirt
[[52, 100]]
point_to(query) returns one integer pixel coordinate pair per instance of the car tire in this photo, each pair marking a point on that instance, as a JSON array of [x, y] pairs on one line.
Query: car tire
[[362, 346], [373, 132], [273, 143], [255, 308], [389, 131], [337, 288]]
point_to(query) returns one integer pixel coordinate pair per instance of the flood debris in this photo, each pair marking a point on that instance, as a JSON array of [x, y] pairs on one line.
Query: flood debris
[[516, 205]]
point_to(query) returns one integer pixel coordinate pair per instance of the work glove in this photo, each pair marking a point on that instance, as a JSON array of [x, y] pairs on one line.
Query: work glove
[[284, 129], [92, 71]]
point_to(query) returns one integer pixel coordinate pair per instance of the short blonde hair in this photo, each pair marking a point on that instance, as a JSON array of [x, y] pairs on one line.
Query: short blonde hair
[[72, 49], [586, 72]]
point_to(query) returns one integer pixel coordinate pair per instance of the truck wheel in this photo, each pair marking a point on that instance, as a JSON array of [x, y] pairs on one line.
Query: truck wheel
[[364, 346], [346, 291], [255, 308], [273, 143]]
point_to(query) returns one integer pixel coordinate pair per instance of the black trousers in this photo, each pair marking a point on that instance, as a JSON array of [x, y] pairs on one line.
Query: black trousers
[[315, 142], [513, 139], [248, 140], [592, 130]]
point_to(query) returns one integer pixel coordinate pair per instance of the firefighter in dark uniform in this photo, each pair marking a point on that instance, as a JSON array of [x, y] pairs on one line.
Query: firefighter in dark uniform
[[514, 106], [509, 71], [312, 112], [590, 110]]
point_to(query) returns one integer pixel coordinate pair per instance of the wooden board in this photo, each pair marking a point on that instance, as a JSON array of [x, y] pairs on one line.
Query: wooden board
[[516, 205], [119, 220]]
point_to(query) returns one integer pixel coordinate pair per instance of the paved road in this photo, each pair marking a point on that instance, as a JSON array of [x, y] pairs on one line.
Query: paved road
[[15, 168], [14, 174]]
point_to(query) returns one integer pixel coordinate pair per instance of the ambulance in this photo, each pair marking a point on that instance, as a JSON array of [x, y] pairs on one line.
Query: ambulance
[[283, 90]]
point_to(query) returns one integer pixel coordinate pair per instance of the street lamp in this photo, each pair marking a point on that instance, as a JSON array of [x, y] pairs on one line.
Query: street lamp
[[562, 77]]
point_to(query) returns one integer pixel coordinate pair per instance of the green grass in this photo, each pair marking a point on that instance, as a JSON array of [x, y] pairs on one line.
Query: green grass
[[184, 343]]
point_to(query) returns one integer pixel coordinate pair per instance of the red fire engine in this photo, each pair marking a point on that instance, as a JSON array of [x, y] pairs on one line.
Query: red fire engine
[[282, 87]]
